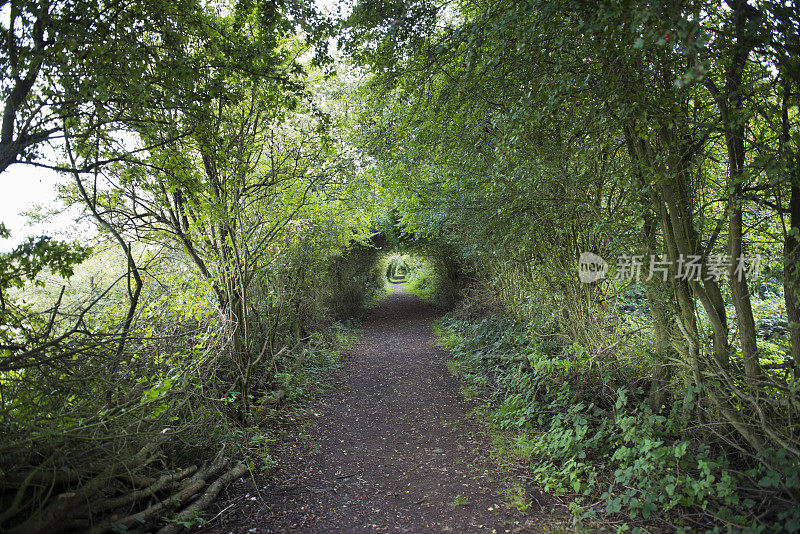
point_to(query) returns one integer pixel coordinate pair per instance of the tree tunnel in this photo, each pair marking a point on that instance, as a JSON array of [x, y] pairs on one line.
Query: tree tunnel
[[430, 268]]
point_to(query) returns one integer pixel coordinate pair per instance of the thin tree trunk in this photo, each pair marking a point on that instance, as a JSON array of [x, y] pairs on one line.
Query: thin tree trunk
[[730, 103], [686, 243], [660, 295], [661, 301], [741, 293], [791, 269]]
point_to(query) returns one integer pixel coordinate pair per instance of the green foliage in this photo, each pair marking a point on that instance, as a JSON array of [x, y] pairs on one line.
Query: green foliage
[[460, 500], [96, 67], [23, 266], [422, 280], [433, 275], [356, 279], [199, 139], [33, 256], [608, 448], [516, 498]]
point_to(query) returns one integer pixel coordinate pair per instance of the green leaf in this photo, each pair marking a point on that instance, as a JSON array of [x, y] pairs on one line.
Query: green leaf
[[770, 480]]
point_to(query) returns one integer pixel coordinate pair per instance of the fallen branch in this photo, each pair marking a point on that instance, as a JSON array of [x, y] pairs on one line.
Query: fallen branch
[[18, 496], [66, 506], [139, 494], [203, 502], [146, 517]]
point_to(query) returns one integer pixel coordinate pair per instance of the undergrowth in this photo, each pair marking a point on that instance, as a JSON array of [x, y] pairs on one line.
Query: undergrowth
[[585, 434], [323, 354]]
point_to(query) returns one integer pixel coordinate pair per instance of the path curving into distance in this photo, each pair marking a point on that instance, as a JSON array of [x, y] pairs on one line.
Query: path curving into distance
[[393, 448]]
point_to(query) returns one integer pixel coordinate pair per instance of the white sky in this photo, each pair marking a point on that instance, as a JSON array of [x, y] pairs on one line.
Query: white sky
[[23, 188]]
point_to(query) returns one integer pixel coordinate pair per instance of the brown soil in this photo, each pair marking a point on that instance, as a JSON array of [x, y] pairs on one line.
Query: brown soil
[[393, 449]]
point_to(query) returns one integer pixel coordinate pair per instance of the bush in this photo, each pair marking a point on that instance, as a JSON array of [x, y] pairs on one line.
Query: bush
[[605, 447]]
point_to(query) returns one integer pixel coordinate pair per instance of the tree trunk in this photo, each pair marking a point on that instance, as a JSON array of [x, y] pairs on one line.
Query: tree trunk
[[686, 243], [791, 269], [730, 103], [660, 294], [662, 306], [741, 293]]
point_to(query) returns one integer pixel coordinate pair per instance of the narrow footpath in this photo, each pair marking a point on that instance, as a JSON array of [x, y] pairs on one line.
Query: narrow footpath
[[393, 449]]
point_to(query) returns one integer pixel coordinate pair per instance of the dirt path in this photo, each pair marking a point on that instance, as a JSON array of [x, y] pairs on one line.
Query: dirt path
[[392, 450]]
